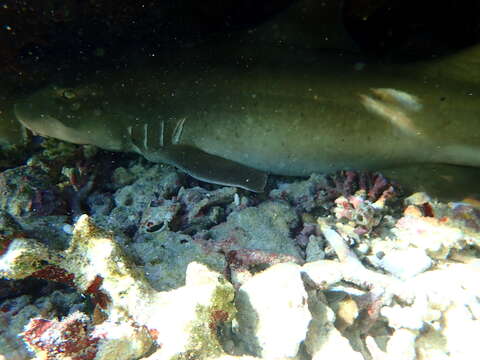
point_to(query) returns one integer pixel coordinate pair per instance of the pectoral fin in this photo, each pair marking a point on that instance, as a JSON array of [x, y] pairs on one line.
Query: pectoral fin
[[214, 169]]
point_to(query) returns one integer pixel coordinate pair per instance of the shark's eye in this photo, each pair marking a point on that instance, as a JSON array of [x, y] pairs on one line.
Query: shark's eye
[[69, 94]]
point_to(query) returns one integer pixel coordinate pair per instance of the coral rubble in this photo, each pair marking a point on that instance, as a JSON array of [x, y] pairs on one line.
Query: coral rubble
[[329, 266]]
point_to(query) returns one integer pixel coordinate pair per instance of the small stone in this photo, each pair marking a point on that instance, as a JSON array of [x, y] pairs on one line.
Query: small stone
[[363, 248], [314, 249], [347, 313], [417, 198], [68, 229]]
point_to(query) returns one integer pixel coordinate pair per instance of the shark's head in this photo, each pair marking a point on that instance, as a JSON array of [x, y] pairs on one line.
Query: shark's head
[[71, 114]]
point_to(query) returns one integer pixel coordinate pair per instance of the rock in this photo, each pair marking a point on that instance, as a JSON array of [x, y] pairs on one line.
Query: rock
[[431, 346], [451, 338], [186, 318], [100, 204], [158, 216], [417, 198], [347, 312], [165, 256], [17, 312], [458, 323], [360, 214], [221, 357], [8, 225], [48, 229], [21, 257], [322, 272], [230, 357], [448, 312], [15, 315], [428, 233], [122, 177], [204, 208], [314, 250], [304, 195], [131, 200], [266, 227], [273, 315], [439, 228], [410, 317], [403, 263], [324, 341], [29, 191], [401, 345], [75, 337]]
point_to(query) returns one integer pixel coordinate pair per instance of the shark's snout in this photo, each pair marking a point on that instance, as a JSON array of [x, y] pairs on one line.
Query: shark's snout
[[51, 113], [34, 116], [40, 112]]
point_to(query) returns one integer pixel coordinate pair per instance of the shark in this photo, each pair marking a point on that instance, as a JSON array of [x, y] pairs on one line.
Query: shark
[[275, 99], [231, 115]]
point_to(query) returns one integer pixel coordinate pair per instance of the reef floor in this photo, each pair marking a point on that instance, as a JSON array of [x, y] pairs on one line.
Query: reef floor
[[106, 256]]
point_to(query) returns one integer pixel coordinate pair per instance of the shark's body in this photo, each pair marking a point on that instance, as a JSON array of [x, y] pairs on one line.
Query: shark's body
[[227, 117]]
